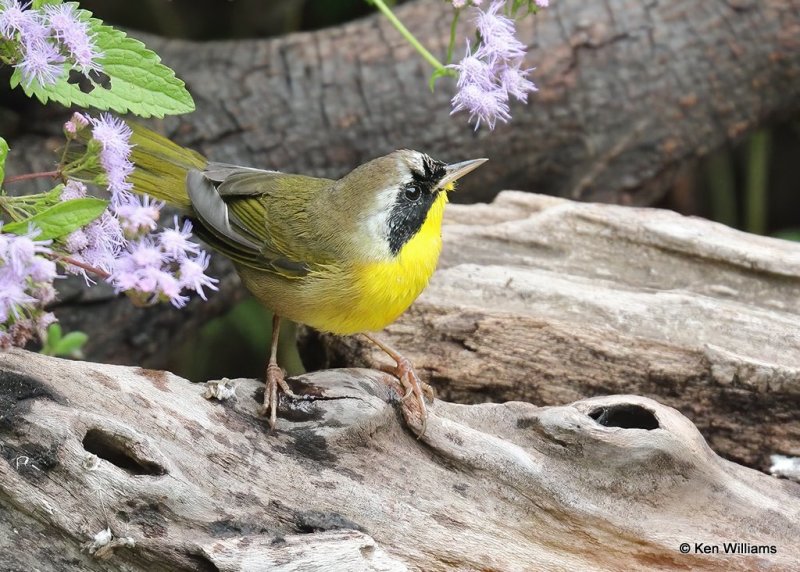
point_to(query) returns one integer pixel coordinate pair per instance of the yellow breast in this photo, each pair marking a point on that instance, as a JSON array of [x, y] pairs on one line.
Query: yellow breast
[[351, 298], [381, 291]]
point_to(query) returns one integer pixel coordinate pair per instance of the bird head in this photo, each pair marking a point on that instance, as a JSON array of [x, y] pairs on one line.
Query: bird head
[[398, 191]]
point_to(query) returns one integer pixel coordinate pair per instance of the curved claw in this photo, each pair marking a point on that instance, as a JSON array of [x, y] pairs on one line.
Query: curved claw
[[414, 387], [275, 379], [409, 388], [404, 371]]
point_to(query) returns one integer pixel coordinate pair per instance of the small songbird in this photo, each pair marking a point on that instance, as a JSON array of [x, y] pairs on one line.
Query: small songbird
[[342, 256]]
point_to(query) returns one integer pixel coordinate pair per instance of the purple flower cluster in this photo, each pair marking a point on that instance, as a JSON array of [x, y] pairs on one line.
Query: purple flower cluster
[[97, 244], [74, 35], [26, 285], [48, 39], [138, 215], [77, 122], [159, 267], [491, 73], [150, 266], [114, 137]]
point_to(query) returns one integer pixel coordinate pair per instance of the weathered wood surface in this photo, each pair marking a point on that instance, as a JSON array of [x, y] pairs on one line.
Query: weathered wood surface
[[628, 92], [114, 468], [546, 300]]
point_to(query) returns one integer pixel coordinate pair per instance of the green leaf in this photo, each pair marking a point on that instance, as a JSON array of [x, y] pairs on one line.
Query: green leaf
[[61, 219], [788, 234], [41, 3], [3, 155], [67, 346], [54, 334], [139, 83], [53, 338], [71, 344]]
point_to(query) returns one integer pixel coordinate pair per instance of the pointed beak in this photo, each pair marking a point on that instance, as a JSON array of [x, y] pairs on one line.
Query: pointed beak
[[458, 170]]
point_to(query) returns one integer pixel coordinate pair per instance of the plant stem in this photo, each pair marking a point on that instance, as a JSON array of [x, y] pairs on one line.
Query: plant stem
[[64, 154], [756, 191], [451, 45], [96, 271], [722, 186], [8, 209], [429, 57], [27, 176]]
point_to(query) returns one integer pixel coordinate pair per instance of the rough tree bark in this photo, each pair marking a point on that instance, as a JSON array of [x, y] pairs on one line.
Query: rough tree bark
[[129, 469], [547, 300], [629, 91]]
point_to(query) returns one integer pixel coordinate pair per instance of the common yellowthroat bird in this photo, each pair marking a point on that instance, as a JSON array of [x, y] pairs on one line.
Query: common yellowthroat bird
[[342, 256]]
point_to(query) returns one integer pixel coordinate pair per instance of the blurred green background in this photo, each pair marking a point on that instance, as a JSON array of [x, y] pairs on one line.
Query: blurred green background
[[753, 185]]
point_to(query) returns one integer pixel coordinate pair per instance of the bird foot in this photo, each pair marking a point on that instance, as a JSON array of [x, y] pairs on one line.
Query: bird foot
[[274, 380], [414, 387]]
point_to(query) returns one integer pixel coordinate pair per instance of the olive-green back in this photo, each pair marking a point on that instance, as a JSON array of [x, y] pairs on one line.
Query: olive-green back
[[271, 225]]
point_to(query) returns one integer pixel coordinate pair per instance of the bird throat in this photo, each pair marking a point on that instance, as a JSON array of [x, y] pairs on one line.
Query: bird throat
[[407, 216], [426, 240], [386, 289], [406, 220]]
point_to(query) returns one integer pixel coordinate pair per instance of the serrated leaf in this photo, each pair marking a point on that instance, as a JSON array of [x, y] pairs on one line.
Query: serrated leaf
[[139, 83], [70, 344], [61, 219], [3, 156]]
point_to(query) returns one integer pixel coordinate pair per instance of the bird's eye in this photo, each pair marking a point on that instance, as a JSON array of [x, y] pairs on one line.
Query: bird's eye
[[413, 193]]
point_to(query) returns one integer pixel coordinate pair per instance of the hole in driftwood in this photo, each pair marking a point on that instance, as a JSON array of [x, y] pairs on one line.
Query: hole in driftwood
[[626, 416], [203, 563], [119, 451]]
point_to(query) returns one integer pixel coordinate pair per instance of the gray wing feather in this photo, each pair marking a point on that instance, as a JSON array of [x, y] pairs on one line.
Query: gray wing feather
[[211, 209], [222, 174]]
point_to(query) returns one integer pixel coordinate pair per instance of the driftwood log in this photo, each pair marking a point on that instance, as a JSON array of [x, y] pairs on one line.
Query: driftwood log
[[537, 298], [117, 468], [629, 92], [547, 300]]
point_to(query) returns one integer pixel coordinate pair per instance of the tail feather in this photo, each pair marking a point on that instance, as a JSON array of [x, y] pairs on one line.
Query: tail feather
[[161, 167]]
